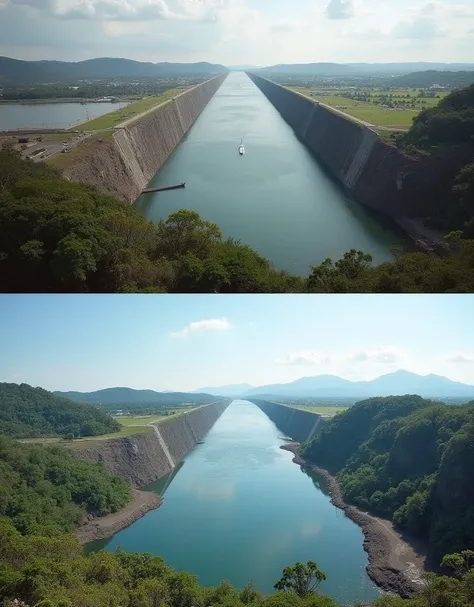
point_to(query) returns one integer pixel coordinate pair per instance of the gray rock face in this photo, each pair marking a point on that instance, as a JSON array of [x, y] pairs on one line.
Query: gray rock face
[[143, 458]]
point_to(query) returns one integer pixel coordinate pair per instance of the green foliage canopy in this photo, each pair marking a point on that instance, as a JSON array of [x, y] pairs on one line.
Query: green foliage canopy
[[64, 237], [33, 412], [408, 459], [46, 491]]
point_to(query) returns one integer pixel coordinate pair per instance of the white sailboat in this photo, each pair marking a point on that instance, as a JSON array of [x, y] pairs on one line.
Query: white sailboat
[[241, 148]]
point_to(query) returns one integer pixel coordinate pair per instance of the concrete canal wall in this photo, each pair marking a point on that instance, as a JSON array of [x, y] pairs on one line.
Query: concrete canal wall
[[144, 458], [298, 424], [377, 174], [126, 159]]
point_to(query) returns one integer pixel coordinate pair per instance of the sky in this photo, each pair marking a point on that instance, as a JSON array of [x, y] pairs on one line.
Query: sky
[[187, 342], [259, 32]]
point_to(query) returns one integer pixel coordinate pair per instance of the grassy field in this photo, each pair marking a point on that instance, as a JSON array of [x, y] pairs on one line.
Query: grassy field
[[328, 411], [130, 426], [108, 121], [371, 111]]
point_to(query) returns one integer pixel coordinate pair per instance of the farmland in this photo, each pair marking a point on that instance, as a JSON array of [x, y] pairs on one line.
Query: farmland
[[324, 410], [380, 107], [113, 119]]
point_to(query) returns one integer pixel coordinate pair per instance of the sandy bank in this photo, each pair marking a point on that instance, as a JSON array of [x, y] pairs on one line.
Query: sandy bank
[[395, 565], [106, 526]]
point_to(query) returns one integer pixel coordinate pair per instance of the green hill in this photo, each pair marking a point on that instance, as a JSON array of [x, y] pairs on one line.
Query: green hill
[[130, 398], [407, 459], [446, 133], [33, 412], [15, 70], [47, 491], [450, 122]]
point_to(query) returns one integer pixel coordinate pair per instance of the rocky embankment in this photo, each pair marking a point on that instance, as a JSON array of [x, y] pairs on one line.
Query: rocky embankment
[[144, 458], [122, 161], [394, 564], [106, 526]]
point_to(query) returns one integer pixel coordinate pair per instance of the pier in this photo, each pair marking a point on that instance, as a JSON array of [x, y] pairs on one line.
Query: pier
[[163, 189]]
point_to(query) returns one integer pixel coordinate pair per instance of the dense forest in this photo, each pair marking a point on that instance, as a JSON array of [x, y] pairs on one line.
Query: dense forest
[[91, 90], [111, 398], [407, 459], [18, 71], [442, 130], [33, 412], [63, 237], [53, 572], [435, 78], [46, 491], [451, 121]]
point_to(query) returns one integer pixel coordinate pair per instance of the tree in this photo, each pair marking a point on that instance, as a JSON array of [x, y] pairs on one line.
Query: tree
[[461, 563], [301, 579]]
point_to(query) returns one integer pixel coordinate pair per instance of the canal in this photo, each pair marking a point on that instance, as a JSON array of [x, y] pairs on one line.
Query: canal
[[239, 509], [277, 198]]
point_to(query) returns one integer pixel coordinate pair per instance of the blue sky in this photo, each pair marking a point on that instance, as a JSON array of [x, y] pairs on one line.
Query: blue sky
[[261, 32], [181, 342]]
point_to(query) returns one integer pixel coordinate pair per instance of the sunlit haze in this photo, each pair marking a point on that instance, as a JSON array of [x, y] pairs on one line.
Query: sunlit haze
[[230, 32], [185, 343]]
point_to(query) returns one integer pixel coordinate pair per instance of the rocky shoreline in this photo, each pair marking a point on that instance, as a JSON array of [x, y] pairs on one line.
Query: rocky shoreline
[[105, 526], [394, 564]]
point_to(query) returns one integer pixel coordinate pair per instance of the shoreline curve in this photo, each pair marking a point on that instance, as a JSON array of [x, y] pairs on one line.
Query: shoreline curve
[[394, 564], [103, 527]]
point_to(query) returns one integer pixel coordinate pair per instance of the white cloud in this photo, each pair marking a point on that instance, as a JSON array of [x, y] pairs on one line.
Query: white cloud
[[380, 355], [238, 31], [128, 10], [340, 9], [305, 358], [385, 355], [461, 358], [421, 28], [202, 326]]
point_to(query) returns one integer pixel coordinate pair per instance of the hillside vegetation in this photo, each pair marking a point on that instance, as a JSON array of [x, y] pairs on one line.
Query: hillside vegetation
[[439, 130], [15, 70], [451, 121], [62, 237], [53, 572], [33, 412], [46, 491], [115, 397], [407, 459]]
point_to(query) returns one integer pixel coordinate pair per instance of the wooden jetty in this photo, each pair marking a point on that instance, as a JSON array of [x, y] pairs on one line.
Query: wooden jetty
[[163, 189]]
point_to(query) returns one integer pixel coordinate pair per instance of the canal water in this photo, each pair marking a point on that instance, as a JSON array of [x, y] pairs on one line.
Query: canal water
[[277, 198], [239, 509], [51, 115]]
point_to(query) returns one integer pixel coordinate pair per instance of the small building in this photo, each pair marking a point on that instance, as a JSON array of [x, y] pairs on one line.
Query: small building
[[23, 140]]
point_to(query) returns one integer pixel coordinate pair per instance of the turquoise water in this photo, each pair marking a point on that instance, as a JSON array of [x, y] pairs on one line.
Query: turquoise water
[[239, 509], [277, 198]]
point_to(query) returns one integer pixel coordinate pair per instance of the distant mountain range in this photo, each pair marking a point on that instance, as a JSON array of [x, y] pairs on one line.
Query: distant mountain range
[[353, 69], [393, 384], [320, 386], [239, 68], [128, 396], [331, 386], [14, 70], [230, 390]]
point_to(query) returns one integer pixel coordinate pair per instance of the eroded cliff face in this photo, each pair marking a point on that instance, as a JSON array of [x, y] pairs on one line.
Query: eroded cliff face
[[125, 161], [145, 458], [378, 175], [298, 424]]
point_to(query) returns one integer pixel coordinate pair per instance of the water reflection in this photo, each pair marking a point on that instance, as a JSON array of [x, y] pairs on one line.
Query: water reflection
[[240, 509]]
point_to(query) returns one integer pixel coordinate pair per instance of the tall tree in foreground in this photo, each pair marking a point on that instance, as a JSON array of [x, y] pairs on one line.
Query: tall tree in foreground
[[301, 579]]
